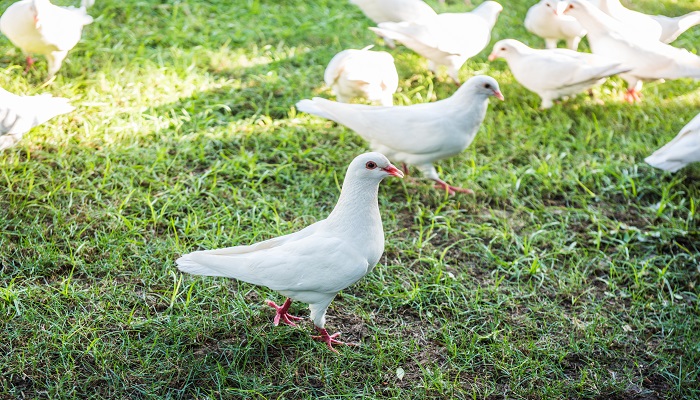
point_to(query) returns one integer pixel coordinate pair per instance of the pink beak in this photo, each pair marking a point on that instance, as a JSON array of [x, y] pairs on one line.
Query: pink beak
[[393, 171], [492, 56], [498, 95]]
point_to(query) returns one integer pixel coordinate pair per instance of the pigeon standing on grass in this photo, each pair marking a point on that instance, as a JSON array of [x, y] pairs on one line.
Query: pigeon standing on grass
[[19, 114], [646, 59], [554, 73], [419, 134], [681, 151], [657, 27], [39, 27], [448, 39], [315, 263], [546, 19], [394, 11], [363, 73]]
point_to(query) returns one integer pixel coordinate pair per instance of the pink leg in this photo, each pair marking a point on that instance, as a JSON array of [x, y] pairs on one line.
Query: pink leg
[[282, 313], [30, 62], [442, 185], [633, 95], [404, 167], [329, 339]]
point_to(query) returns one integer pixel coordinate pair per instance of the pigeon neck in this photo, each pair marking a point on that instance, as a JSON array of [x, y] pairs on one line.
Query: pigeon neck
[[357, 206], [596, 20]]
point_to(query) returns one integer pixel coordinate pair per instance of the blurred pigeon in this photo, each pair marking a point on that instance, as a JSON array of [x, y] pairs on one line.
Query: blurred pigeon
[[315, 263], [19, 114], [447, 39], [39, 27], [554, 73], [646, 59], [394, 11], [363, 73], [418, 134], [657, 27], [681, 151], [546, 19]]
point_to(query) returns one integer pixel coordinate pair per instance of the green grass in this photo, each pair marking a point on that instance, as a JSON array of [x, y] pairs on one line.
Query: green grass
[[572, 273]]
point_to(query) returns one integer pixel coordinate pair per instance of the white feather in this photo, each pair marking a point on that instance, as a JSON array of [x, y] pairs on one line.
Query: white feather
[[19, 114], [681, 151]]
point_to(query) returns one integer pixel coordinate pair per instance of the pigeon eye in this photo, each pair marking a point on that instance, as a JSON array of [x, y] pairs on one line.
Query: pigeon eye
[[487, 86], [371, 165], [503, 49]]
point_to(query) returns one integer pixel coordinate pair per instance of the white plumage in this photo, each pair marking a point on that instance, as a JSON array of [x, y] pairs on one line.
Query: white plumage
[[315, 263], [646, 59], [448, 39], [681, 151], [19, 114], [39, 27], [418, 134], [546, 19], [363, 73], [653, 27], [554, 73], [394, 11]]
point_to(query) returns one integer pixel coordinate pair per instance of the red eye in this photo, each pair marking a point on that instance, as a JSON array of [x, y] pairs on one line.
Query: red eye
[[371, 165]]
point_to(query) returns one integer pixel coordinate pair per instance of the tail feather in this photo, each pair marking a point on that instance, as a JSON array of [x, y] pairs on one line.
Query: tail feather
[[664, 164], [186, 264], [314, 107], [48, 107]]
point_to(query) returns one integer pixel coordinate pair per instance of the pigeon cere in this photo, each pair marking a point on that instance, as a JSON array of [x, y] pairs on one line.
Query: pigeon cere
[[193, 200]]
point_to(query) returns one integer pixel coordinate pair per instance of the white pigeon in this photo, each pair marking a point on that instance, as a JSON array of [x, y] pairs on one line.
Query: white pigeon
[[418, 134], [363, 73], [39, 27], [19, 114], [554, 73], [446, 39], [681, 151], [394, 11], [315, 263], [657, 27], [646, 59], [546, 19]]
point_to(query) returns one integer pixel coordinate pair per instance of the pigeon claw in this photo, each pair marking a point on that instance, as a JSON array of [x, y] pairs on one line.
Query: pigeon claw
[[451, 190], [282, 314], [633, 95], [330, 340], [30, 62]]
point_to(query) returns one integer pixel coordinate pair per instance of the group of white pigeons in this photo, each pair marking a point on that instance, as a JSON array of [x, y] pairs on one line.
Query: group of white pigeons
[[312, 265]]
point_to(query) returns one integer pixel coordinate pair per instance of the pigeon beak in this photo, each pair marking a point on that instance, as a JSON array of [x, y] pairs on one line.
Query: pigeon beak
[[393, 171], [492, 56], [498, 95]]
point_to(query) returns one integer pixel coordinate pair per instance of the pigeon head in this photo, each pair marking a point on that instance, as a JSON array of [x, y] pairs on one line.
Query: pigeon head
[[577, 7], [483, 85], [557, 7], [506, 48], [372, 166], [489, 10]]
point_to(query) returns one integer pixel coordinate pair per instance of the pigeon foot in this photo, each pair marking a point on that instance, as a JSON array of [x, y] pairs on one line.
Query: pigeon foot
[[330, 339], [442, 185], [30, 62], [282, 314], [633, 95]]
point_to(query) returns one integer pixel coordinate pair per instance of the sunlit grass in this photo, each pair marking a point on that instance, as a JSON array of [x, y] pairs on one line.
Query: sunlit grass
[[572, 273]]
